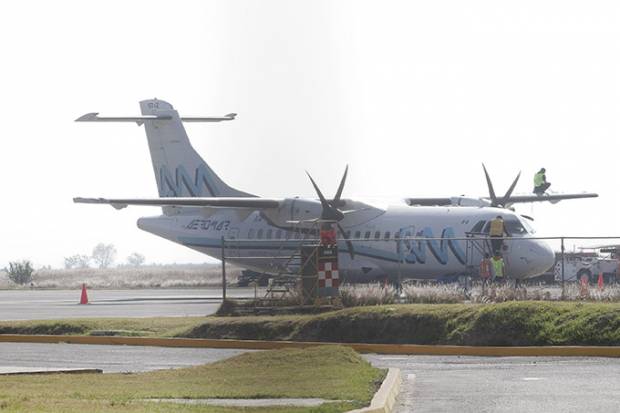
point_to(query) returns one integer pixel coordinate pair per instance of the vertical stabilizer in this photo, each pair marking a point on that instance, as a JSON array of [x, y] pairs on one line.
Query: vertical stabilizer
[[179, 170]]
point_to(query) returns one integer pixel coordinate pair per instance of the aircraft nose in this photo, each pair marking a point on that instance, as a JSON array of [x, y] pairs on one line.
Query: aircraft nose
[[533, 257], [546, 256]]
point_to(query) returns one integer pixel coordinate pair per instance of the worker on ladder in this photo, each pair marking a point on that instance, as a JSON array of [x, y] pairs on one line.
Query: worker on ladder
[[497, 230], [540, 182]]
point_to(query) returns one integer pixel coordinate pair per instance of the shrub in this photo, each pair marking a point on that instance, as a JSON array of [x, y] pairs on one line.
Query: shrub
[[20, 272]]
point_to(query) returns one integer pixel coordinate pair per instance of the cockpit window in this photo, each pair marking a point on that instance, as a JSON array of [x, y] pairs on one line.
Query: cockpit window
[[477, 229], [514, 226], [528, 227]]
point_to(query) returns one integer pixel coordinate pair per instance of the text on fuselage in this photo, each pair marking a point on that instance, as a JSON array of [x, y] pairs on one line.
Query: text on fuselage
[[208, 224]]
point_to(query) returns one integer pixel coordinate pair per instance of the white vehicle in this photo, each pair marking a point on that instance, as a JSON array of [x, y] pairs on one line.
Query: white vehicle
[[422, 242], [586, 267]]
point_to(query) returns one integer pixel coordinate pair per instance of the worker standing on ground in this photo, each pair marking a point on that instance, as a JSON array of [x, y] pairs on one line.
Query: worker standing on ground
[[498, 268], [540, 182], [497, 232], [485, 270]]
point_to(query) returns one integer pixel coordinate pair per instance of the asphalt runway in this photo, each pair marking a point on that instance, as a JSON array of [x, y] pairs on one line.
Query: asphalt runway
[[505, 384], [54, 304]]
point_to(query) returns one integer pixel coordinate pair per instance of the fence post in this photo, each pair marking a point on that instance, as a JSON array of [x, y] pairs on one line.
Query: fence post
[[223, 270], [562, 257]]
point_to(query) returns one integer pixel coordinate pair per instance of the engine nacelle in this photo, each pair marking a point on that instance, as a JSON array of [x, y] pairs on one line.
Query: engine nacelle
[[295, 212]]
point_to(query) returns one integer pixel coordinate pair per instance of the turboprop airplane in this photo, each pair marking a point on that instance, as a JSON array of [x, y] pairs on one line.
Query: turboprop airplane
[[375, 243]]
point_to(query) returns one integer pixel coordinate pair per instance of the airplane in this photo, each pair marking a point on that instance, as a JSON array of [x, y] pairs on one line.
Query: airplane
[[376, 243]]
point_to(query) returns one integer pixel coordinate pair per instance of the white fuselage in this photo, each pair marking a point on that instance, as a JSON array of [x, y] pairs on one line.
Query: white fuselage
[[383, 244]]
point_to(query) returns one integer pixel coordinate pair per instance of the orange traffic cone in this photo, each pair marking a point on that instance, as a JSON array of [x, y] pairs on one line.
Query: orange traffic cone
[[600, 281], [84, 298]]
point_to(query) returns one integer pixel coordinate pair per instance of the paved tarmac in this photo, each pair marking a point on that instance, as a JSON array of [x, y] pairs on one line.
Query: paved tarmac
[[430, 383], [505, 384], [110, 359], [53, 304]]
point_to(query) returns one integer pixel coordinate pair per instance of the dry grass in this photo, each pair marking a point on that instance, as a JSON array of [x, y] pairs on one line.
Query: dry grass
[[153, 276], [377, 294]]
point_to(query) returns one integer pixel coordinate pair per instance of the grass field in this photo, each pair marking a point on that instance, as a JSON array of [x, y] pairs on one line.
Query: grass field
[[332, 372], [523, 323], [505, 324]]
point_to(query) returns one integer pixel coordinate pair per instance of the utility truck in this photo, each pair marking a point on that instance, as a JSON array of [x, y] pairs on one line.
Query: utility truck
[[586, 264]]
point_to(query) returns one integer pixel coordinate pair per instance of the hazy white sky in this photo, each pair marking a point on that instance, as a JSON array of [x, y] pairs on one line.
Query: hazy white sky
[[412, 95]]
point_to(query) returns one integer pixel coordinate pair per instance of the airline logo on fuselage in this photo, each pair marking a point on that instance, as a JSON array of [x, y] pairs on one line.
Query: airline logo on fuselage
[[184, 184], [414, 251]]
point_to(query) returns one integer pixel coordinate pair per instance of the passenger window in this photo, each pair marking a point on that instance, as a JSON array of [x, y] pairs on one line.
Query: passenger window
[[269, 232], [377, 234], [251, 233], [387, 235], [347, 234], [296, 234], [278, 234], [259, 234], [367, 235], [358, 235]]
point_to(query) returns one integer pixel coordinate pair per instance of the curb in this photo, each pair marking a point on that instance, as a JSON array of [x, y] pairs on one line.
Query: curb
[[403, 349], [385, 398]]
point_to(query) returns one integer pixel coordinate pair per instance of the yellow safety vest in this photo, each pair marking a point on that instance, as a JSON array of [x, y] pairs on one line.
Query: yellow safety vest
[[497, 227], [498, 267], [539, 179]]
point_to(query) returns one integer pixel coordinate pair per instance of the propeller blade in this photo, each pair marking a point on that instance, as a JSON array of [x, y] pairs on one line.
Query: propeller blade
[[336, 200], [329, 212], [324, 202], [509, 192], [490, 186], [347, 241]]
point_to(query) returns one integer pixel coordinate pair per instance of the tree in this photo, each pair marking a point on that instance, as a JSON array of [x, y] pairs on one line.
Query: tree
[[104, 254], [77, 261], [20, 272], [136, 259]]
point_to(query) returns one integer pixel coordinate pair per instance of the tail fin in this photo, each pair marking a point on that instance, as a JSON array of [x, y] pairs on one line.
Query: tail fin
[[179, 170]]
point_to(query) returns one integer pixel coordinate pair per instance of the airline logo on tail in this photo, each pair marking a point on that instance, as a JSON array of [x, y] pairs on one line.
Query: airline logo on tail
[[184, 184]]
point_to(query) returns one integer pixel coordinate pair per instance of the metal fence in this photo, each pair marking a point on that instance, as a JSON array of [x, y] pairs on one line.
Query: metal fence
[[281, 256]]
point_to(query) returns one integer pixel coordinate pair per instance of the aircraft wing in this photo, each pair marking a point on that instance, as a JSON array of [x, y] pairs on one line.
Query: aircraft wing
[[519, 199], [429, 201], [222, 202]]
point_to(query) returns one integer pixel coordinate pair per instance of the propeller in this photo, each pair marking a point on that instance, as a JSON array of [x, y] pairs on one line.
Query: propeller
[[505, 200], [330, 212]]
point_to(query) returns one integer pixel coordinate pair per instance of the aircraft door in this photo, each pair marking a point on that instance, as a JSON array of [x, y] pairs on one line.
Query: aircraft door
[[232, 236]]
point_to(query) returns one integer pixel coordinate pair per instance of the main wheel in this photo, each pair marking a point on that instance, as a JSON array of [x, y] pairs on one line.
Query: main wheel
[[584, 276]]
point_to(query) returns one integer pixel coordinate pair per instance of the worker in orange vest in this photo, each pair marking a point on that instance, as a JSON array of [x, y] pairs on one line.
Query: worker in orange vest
[[485, 269]]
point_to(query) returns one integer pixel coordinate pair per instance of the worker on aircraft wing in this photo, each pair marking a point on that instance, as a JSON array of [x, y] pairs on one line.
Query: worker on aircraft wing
[[540, 182]]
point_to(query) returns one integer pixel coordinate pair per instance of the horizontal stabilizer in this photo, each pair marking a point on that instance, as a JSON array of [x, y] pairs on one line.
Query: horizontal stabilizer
[[222, 202], [94, 117]]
